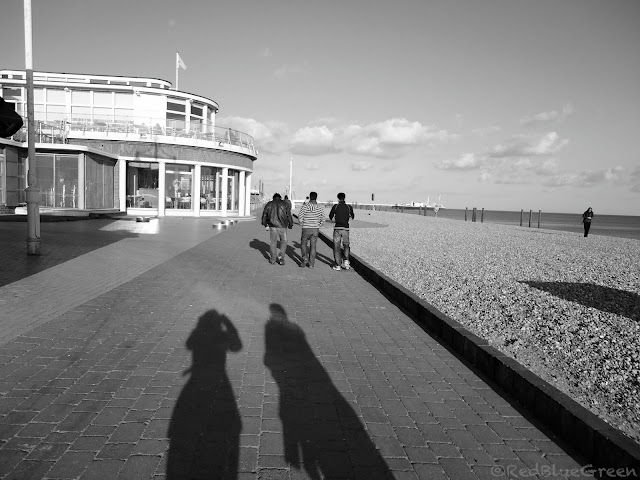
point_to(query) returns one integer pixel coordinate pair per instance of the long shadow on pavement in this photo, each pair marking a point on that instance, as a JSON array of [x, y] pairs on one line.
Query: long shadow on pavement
[[321, 431], [292, 249], [204, 431], [605, 299], [60, 242]]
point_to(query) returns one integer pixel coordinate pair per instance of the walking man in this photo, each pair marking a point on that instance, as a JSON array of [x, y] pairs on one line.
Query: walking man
[[277, 216], [342, 212], [311, 218]]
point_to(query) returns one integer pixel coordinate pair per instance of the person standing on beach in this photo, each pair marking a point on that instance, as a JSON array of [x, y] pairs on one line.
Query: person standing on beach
[[342, 212], [311, 218], [288, 202], [277, 216], [587, 216]]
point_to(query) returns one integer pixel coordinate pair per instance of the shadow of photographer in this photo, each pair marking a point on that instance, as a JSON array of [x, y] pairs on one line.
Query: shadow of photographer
[[204, 431]]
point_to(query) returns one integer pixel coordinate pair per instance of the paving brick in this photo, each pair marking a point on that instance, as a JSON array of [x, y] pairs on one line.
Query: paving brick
[[109, 388], [71, 465]]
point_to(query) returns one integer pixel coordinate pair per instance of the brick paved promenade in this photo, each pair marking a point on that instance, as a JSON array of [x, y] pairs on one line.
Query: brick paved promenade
[[127, 354]]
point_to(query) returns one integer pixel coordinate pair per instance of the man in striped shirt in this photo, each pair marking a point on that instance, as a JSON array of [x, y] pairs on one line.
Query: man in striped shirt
[[311, 218]]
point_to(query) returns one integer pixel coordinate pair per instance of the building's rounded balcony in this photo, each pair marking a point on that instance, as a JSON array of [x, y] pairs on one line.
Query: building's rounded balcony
[[142, 129]]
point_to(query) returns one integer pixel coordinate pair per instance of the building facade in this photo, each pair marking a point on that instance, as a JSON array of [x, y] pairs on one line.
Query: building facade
[[124, 144]]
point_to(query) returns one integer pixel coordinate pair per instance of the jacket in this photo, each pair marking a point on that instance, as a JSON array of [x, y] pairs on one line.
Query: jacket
[[311, 215], [277, 214], [342, 212]]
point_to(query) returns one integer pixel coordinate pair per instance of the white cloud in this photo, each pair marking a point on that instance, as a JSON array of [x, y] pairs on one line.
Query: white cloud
[[547, 117], [270, 137], [386, 139], [313, 141], [467, 161], [361, 166], [528, 146], [265, 52]]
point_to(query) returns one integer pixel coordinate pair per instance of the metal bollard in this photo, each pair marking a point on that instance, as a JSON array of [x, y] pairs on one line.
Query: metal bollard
[[482, 216]]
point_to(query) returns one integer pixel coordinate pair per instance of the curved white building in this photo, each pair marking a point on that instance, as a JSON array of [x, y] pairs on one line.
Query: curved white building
[[124, 144]]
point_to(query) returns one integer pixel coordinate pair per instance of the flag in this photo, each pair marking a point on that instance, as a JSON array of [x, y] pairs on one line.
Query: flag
[[179, 62]]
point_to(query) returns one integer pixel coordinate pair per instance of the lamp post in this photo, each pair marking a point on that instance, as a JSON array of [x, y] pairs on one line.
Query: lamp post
[[32, 191]]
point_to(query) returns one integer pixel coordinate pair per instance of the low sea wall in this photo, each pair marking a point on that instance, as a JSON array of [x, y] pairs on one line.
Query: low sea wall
[[553, 317]]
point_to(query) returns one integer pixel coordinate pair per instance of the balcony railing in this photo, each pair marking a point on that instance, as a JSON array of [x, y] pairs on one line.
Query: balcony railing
[[144, 128]]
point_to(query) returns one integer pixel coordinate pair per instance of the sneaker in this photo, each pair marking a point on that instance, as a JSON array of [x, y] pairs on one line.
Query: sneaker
[[337, 267], [311, 265], [346, 265], [303, 264]]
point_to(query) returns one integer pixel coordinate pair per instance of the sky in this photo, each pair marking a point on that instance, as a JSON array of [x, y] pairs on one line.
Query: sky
[[495, 104]]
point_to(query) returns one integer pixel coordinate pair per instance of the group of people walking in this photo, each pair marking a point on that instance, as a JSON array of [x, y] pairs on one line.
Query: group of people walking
[[277, 219]]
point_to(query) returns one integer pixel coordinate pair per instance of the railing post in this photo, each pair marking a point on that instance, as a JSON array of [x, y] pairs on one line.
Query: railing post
[[521, 213], [473, 218]]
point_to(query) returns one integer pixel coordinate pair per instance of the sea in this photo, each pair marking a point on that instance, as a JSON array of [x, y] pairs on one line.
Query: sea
[[623, 226]]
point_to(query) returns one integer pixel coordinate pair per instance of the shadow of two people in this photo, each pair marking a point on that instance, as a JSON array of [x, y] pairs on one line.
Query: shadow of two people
[[321, 432]]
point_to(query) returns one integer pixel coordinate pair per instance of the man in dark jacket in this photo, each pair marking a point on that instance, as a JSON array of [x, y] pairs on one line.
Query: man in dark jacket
[[277, 216], [343, 213]]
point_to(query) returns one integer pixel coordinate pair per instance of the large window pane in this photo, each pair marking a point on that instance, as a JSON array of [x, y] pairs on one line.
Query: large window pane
[[44, 179], [124, 100], [56, 96], [38, 95], [124, 115], [66, 184], [81, 97], [232, 189], [81, 114], [102, 114], [11, 93], [103, 99], [98, 183], [179, 186], [142, 185], [210, 188], [56, 113]]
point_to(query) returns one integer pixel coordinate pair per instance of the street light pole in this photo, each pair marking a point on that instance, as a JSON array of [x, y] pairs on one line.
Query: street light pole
[[32, 191], [290, 179]]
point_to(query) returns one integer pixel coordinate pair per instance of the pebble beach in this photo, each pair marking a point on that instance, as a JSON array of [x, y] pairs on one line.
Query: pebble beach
[[565, 306]]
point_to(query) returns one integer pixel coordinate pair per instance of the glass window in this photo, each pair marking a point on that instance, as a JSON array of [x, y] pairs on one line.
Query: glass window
[[232, 189], [178, 107], [210, 186], [124, 100], [66, 184], [80, 114], [9, 93], [81, 97], [44, 179], [56, 96], [179, 186], [196, 110], [98, 183], [142, 185], [38, 95], [123, 115], [102, 115], [56, 112], [103, 99], [96, 81]]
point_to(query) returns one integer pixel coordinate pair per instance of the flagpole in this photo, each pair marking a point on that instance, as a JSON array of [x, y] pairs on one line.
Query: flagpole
[[177, 70]]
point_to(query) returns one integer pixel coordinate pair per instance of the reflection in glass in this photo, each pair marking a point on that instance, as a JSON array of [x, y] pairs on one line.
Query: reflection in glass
[[142, 185], [179, 186]]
